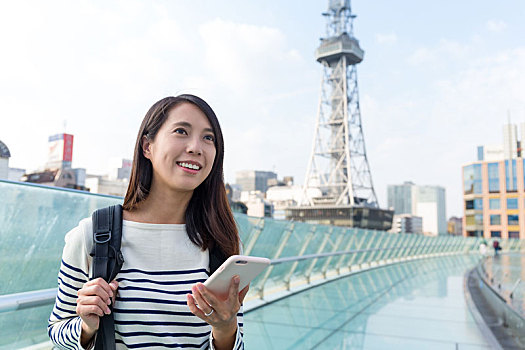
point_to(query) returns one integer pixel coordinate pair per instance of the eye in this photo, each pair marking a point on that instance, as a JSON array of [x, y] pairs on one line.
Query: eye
[[209, 138], [180, 131]]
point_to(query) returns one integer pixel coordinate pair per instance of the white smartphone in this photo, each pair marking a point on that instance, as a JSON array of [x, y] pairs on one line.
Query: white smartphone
[[246, 267]]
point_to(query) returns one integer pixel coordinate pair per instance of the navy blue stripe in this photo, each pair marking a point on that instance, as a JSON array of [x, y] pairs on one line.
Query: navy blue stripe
[[151, 300], [156, 290], [68, 285], [151, 312], [71, 277], [64, 310], [160, 282], [153, 334], [74, 268], [161, 323], [57, 317], [157, 273], [241, 324], [163, 345], [240, 314], [66, 302], [67, 294]]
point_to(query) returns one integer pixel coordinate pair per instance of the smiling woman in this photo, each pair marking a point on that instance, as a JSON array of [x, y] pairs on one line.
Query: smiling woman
[[175, 214]]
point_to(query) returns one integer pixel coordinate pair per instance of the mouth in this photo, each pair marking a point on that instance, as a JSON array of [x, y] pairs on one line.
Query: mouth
[[190, 166]]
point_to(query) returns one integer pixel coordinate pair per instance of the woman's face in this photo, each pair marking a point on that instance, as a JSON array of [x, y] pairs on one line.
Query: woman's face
[[183, 150]]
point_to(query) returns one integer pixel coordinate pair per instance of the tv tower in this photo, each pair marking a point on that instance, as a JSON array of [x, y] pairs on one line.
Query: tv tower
[[338, 168], [338, 163]]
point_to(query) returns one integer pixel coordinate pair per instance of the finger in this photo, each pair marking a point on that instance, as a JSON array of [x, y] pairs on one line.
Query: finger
[[114, 285], [243, 293], [193, 307], [234, 288], [94, 290], [86, 310], [94, 300], [100, 282], [203, 304], [207, 295]]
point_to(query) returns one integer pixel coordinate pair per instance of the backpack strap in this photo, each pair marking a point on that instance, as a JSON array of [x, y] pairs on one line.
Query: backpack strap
[[107, 262]]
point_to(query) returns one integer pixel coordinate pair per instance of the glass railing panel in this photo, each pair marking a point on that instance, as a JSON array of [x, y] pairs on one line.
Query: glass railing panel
[[343, 238], [33, 223], [246, 227], [270, 238], [295, 246], [328, 245]]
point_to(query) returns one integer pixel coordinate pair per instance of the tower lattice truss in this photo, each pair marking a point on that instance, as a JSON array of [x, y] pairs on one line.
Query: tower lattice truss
[[338, 164]]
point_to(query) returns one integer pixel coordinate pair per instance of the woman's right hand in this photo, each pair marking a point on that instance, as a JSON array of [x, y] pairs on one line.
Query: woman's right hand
[[93, 302]]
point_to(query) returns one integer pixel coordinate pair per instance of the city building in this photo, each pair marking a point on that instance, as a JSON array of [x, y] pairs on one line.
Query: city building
[[492, 152], [427, 202], [4, 161], [254, 180], [256, 204], [455, 226], [60, 154], [407, 223], [116, 182], [493, 191], [57, 170], [510, 141]]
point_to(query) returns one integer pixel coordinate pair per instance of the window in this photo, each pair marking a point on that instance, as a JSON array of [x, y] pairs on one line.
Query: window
[[514, 234], [479, 219], [469, 220], [495, 234], [475, 233], [493, 170], [494, 203], [469, 205], [513, 220], [512, 203], [510, 175], [478, 204], [472, 178], [495, 219]]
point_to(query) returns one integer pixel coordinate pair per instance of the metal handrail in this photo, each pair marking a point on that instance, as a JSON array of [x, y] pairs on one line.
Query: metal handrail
[[27, 300], [322, 255]]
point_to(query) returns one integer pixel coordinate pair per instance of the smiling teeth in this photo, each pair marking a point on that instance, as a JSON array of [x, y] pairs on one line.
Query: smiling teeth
[[189, 166]]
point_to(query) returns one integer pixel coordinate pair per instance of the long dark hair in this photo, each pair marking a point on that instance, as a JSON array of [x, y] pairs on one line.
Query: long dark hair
[[209, 220]]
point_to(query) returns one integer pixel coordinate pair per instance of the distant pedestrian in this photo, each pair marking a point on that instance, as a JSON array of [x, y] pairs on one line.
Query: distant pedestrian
[[496, 247], [483, 247]]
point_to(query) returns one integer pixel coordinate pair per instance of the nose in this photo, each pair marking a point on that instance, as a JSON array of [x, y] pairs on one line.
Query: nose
[[194, 146]]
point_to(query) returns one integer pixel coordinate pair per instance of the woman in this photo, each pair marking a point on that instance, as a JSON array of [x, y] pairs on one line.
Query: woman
[[175, 209]]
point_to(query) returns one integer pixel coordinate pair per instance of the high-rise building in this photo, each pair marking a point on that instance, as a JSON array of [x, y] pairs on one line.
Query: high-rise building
[[254, 180], [494, 199], [427, 202], [510, 141], [455, 226], [407, 223], [493, 191], [60, 153]]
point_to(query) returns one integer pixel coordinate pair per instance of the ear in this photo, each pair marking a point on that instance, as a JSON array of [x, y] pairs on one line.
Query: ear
[[146, 147]]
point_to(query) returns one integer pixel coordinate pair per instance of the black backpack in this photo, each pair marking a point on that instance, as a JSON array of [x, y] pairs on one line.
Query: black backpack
[[108, 260]]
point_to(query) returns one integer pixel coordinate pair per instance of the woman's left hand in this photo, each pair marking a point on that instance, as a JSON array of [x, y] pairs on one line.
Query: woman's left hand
[[222, 313]]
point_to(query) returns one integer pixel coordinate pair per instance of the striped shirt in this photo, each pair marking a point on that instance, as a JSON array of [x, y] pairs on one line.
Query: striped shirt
[[150, 311]]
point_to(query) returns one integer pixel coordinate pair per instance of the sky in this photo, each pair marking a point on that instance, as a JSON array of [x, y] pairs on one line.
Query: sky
[[438, 79]]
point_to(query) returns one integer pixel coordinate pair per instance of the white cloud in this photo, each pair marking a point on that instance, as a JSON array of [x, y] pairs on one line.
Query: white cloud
[[445, 51], [387, 39], [496, 25], [242, 56]]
